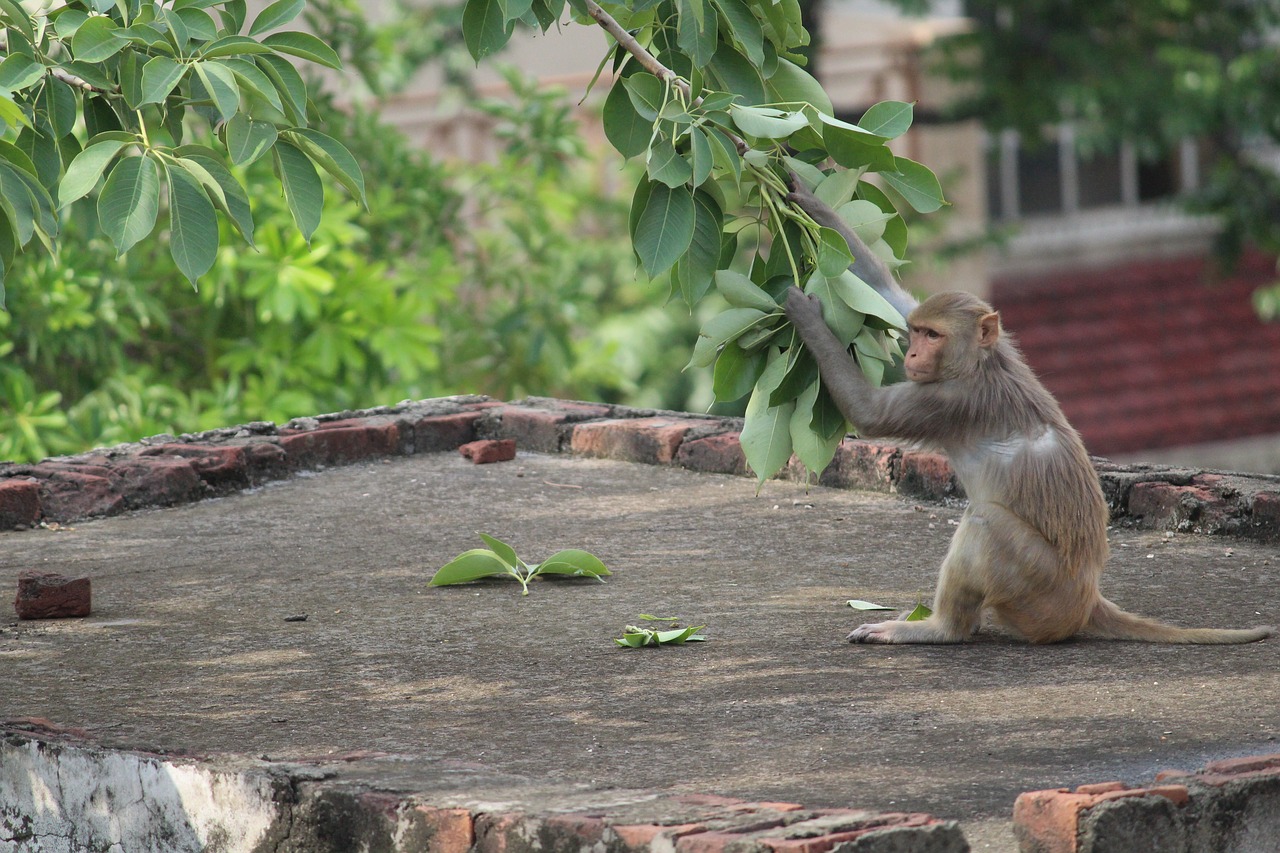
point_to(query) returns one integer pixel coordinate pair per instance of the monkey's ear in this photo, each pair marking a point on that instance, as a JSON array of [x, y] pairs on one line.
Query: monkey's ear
[[989, 330]]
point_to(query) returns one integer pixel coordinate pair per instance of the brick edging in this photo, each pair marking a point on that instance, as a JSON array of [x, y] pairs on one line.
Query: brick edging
[[169, 470], [1232, 804]]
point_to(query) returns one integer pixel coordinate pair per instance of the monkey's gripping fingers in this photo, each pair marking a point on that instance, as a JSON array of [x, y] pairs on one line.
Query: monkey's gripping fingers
[[804, 312]]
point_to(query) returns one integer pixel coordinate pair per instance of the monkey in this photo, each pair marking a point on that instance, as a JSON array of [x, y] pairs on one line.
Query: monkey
[[1033, 540]]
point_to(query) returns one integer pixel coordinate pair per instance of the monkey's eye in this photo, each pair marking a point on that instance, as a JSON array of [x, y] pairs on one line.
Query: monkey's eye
[[931, 334]]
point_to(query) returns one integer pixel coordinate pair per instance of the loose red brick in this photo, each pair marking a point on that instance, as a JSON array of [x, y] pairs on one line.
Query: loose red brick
[[715, 454], [650, 440], [484, 451], [48, 595], [19, 503], [504, 833], [1266, 511], [710, 842]]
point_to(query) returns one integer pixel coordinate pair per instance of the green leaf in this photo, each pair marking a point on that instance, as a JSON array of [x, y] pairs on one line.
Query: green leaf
[[722, 328], [623, 126], [253, 81], [853, 147], [234, 201], [484, 27], [864, 217], [221, 85], [276, 15], [859, 604], [302, 188], [766, 122], [19, 204], [666, 166], [790, 83], [919, 614], [304, 46], [833, 252], [469, 566], [700, 156], [733, 72], [130, 202], [864, 299], [159, 77], [744, 28], [696, 31], [699, 264], [766, 430], [57, 105], [18, 71], [193, 226], [247, 140], [837, 188], [333, 157], [288, 83], [234, 46], [889, 119], [646, 93], [665, 229], [85, 171], [815, 451], [843, 320], [741, 292], [505, 552], [802, 372], [17, 16], [736, 372], [573, 562], [199, 24], [916, 184]]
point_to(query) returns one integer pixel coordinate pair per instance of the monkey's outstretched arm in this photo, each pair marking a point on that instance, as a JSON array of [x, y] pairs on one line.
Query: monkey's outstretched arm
[[866, 264]]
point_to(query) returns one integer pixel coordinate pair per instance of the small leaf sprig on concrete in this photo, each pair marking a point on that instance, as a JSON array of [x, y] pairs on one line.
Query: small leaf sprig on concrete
[[500, 559], [921, 610], [634, 637]]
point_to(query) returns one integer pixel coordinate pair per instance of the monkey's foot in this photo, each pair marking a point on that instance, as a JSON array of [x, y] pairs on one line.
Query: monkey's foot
[[873, 632]]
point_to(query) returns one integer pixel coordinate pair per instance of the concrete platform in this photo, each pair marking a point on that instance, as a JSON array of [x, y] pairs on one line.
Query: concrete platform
[[477, 699]]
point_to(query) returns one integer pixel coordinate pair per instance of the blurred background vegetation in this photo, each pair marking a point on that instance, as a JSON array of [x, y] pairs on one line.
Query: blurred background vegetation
[[509, 278]]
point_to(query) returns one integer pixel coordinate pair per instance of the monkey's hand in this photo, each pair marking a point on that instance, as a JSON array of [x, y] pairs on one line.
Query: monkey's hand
[[873, 632], [805, 313], [802, 197]]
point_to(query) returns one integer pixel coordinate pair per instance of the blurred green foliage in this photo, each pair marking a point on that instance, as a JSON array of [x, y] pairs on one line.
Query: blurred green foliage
[[508, 278]]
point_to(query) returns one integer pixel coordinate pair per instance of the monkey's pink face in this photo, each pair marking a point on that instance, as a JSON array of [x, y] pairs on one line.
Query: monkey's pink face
[[924, 358]]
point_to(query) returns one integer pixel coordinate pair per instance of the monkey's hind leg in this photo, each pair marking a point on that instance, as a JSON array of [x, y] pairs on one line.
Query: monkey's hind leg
[[957, 605]]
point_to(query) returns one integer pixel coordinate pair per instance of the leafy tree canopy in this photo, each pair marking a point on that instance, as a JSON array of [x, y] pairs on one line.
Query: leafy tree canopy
[[711, 95], [95, 100]]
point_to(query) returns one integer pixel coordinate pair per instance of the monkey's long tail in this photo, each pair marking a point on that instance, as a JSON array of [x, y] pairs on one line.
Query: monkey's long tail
[[1111, 623]]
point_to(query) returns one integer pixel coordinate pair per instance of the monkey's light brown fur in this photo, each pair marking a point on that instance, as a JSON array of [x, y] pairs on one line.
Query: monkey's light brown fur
[[1033, 541]]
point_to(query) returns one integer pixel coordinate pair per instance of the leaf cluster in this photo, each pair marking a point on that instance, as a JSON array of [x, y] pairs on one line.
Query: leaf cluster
[[101, 93], [712, 97], [637, 637], [500, 560]]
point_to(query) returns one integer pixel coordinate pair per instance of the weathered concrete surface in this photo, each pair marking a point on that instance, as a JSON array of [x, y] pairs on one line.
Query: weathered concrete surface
[[188, 648]]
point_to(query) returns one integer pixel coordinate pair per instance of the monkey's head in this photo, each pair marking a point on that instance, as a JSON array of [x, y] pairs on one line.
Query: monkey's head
[[951, 333]]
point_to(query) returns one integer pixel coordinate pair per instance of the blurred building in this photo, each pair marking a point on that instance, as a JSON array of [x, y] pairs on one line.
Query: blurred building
[[1098, 272]]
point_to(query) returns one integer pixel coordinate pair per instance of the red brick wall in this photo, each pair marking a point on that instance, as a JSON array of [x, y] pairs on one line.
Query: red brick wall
[[1151, 354]]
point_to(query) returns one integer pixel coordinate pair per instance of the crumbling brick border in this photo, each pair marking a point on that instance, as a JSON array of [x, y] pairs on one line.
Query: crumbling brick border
[[169, 470]]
